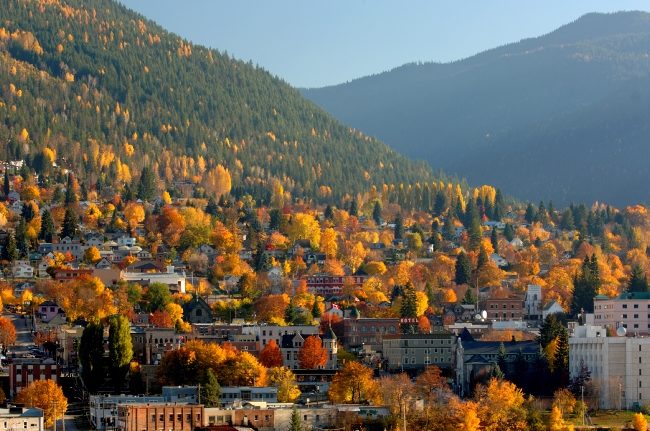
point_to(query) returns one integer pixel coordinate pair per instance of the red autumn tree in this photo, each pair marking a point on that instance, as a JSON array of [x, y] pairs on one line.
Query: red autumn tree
[[312, 354], [270, 356]]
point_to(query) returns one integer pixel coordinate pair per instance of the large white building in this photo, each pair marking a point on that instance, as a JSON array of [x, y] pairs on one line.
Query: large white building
[[619, 365]]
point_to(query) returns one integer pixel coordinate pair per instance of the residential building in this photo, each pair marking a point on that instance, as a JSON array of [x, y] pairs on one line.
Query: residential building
[[552, 307], [234, 394], [154, 417], [175, 281], [291, 344], [21, 418], [332, 285], [63, 274], [416, 351], [197, 311], [630, 310], [620, 371], [22, 269], [266, 333], [49, 310]]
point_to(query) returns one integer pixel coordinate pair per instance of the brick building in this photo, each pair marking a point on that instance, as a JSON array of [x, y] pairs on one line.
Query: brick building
[[154, 417], [358, 332], [22, 372], [510, 308]]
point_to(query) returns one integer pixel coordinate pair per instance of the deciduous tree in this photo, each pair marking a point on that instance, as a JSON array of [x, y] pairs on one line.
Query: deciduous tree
[[7, 333], [354, 384], [284, 379], [312, 354], [270, 356], [46, 395]]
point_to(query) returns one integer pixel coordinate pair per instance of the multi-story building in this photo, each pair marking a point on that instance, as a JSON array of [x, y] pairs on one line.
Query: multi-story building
[[266, 333], [174, 280], [332, 285], [20, 418], [620, 371], [511, 308], [235, 394], [104, 408], [154, 417], [291, 344], [416, 351], [630, 310], [151, 344], [22, 372], [533, 302], [360, 332]]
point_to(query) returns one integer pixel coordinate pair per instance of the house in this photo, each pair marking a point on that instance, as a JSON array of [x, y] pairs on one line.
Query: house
[[175, 281], [291, 344], [126, 241], [197, 311], [103, 264], [22, 269], [499, 261], [552, 307], [517, 243], [62, 274], [15, 418], [48, 310]]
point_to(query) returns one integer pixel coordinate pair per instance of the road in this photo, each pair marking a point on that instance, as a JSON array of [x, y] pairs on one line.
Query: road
[[24, 338]]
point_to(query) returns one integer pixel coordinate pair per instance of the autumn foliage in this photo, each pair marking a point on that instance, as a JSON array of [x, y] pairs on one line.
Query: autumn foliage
[[270, 356], [46, 395], [312, 354]]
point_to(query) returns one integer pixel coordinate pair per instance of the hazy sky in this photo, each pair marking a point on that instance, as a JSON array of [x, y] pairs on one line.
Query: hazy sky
[[312, 43]]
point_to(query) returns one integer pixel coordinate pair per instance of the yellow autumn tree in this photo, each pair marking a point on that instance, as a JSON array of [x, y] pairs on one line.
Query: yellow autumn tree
[[304, 226], [328, 243], [639, 422]]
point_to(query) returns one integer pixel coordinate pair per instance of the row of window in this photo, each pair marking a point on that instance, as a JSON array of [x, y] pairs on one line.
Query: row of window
[[179, 417]]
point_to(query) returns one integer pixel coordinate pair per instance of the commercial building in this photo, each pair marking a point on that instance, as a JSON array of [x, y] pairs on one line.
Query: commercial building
[[20, 418], [155, 417], [416, 351], [630, 310]]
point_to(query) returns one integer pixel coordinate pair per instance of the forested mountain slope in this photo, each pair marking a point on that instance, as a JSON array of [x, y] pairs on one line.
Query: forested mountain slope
[[107, 92], [562, 116]]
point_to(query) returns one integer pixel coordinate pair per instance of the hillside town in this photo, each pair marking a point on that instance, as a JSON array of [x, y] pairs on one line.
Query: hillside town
[[153, 310]]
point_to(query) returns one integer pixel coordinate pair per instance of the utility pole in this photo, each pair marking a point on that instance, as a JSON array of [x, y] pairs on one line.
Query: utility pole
[[403, 414], [582, 399]]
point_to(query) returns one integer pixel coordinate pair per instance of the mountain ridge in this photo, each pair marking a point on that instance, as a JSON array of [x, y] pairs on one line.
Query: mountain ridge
[[471, 104]]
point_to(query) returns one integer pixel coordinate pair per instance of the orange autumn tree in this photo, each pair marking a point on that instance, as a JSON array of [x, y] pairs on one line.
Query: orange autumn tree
[[312, 354], [46, 395], [270, 356], [7, 333], [354, 384]]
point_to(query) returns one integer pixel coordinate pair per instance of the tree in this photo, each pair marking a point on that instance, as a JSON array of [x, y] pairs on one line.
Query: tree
[[47, 227], [555, 420], [147, 185], [312, 354], [290, 313], [328, 243], [399, 226], [10, 251], [564, 400], [70, 222], [271, 356], [585, 286], [354, 384], [134, 214], [210, 390], [7, 333], [638, 281], [494, 239], [376, 213], [46, 395], [157, 297], [91, 255], [530, 213], [408, 309], [509, 232], [639, 422], [463, 269], [354, 208], [284, 379], [91, 356], [120, 348], [295, 424], [501, 406]]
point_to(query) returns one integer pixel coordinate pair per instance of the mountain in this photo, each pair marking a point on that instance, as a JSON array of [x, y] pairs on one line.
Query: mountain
[[104, 91], [563, 116]]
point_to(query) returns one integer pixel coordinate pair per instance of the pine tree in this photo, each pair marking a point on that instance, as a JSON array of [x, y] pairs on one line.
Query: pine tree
[[210, 390], [448, 229], [5, 185], [475, 234], [494, 239], [354, 208], [70, 195], [329, 213], [502, 358], [296, 423], [561, 360], [70, 222], [47, 227], [212, 208], [399, 226], [469, 297], [376, 213], [315, 310], [9, 251], [530, 213], [120, 348], [482, 259], [290, 313], [463, 269], [409, 309], [638, 280], [147, 185], [22, 242], [509, 232]]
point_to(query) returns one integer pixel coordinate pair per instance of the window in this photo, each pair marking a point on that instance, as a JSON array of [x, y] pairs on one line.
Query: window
[[636, 316], [171, 417], [625, 316], [624, 305], [636, 305]]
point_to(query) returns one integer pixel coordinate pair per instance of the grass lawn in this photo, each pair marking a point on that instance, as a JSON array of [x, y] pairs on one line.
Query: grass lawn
[[607, 418]]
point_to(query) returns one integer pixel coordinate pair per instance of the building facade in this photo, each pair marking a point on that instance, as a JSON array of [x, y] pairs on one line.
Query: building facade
[[155, 417], [630, 310], [416, 351], [511, 308], [367, 332]]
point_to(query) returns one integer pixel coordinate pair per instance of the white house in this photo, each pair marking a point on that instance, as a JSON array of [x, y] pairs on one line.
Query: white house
[[22, 269], [498, 260], [552, 308], [517, 243]]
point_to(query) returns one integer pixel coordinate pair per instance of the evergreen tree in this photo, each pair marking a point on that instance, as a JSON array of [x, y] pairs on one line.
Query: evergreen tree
[[91, 356], [70, 195], [470, 296], [58, 196], [354, 208], [296, 423], [47, 227], [399, 226], [428, 290], [499, 206], [275, 218], [585, 286], [5, 185], [212, 208], [496, 372], [28, 212], [448, 229], [551, 328], [440, 204], [463, 269], [475, 234], [210, 390], [502, 358], [290, 313], [147, 185], [315, 310], [494, 239], [329, 213], [561, 360], [542, 215], [530, 213], [509, 232], [70, 222], [22, 242], [482, 259], [84, 192], [638, 280], [10, 251], [408, 309], [120, 349], [376, 213], [127, 193]]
